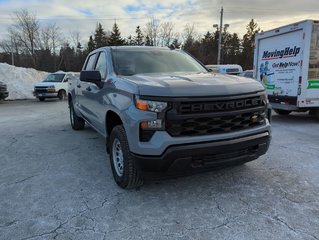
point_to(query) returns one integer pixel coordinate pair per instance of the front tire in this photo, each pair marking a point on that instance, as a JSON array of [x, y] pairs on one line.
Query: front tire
[[41, 99], [77, 123], [282, 112], [124, 169], [62, 95]]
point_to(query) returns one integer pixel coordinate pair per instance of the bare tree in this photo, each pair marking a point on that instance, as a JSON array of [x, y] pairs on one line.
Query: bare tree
[[26, 31], [56, 37], [6, 46], [75, 38], [45, 38], [166, 33], [189, 32], [152, 30], [51, 39]]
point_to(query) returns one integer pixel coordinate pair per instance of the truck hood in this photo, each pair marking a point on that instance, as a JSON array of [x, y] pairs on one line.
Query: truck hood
[[193, 84], [44, 84]]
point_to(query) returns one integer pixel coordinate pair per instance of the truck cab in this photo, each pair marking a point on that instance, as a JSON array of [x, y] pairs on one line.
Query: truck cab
[[55, 85]]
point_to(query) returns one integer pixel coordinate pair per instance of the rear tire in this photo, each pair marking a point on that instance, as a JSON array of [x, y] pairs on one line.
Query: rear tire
[[124, 169], [62, 95], [41, 99], [77, 123], [282, 112]]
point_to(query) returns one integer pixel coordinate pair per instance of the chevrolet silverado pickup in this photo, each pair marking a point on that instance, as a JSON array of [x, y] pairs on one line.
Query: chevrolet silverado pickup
[[161, 110]]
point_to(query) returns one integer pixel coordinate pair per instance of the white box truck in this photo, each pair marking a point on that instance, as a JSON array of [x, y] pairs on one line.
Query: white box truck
[[286, 60]]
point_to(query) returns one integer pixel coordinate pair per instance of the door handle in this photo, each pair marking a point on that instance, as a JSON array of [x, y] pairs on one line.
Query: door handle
[[79, 86], [88, 89]]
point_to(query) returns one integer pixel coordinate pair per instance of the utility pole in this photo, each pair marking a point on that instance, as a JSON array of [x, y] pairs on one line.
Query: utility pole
[[220, 35]]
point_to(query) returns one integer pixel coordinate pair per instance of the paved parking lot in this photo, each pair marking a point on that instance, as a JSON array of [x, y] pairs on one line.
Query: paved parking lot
[[56, 183]]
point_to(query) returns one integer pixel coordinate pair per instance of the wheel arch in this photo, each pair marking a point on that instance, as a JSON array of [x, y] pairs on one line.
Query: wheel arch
[[69, 97], [112, 119]]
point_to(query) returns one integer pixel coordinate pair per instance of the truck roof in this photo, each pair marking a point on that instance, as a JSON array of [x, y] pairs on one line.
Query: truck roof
[[135, 47], [291, 24]]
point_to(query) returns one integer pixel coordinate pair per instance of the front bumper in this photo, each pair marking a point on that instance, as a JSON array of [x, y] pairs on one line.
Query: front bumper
[[192, 157], [45, 94]]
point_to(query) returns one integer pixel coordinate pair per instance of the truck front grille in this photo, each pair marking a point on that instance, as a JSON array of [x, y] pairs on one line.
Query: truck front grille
[[41, 89], [213, 117]]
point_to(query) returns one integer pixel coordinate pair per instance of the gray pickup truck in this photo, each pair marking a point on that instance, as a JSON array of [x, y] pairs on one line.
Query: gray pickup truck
[[160, 110]]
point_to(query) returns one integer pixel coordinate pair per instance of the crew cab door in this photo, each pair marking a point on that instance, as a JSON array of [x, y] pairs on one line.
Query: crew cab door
[[82, 90], [95, 93], [92, 93]]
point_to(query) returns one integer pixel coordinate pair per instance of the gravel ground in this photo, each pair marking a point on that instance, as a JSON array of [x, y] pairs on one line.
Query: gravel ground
[[56, 183]]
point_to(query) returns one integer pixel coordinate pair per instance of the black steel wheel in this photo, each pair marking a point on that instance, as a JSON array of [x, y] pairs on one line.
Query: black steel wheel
[[282, 112], [77, 123], [124, 169]]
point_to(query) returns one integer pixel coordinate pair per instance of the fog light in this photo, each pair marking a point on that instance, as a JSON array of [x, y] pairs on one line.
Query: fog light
[[155, 124]]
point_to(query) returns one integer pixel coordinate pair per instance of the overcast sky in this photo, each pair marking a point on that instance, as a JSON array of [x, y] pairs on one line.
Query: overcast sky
[[82, 15]]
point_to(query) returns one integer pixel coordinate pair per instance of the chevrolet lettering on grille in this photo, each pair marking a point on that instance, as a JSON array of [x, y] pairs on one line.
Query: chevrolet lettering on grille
[[220, 106]]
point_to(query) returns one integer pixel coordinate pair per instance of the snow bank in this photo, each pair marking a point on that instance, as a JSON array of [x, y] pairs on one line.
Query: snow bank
[[20, 80]]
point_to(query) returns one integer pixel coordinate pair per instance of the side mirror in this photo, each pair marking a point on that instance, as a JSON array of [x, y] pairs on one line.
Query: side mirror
[[91, 76]]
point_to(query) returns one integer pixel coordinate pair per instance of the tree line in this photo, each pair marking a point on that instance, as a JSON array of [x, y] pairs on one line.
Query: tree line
[[46, 48]]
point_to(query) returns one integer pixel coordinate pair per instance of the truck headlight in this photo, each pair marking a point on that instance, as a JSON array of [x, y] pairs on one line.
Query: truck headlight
[[264, 97], [148, 105]]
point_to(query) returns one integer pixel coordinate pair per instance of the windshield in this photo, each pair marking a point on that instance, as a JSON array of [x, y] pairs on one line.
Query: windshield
[[54, 77], [135, 61]]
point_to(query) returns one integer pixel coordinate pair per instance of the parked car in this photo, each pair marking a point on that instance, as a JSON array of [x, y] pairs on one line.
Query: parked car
[[232, 69], [247, 74], [54, 86], [3, 91]]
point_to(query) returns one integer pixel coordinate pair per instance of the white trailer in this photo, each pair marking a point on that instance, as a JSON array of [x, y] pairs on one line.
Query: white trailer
[[286, 60]]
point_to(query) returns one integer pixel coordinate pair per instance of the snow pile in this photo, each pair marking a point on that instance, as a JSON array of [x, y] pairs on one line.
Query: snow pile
[[20, 80]]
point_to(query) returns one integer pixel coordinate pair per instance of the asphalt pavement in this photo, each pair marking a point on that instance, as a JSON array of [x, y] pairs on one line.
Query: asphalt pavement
[[56, 183]]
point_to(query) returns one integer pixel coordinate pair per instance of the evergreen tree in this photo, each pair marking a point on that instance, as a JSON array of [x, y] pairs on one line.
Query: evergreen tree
[[91, 45], [130, 41], [67, 57], [248, 44], [175, 44], [79, 48], [100, 38], [148, 41], [234, 49], [115, 38], [189, 44], [138, 39], [206, 50]]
